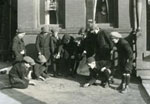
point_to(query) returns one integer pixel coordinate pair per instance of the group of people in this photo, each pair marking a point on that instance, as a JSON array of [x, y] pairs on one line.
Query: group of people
[[63, 56]]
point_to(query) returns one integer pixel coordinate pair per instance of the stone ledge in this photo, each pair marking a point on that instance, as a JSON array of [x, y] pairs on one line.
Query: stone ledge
[[147, 88]]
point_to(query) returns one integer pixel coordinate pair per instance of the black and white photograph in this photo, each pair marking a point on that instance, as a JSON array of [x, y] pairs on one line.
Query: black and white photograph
[[74, 51]]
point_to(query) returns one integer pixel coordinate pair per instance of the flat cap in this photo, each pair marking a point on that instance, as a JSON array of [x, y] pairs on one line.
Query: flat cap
[[29, 60]]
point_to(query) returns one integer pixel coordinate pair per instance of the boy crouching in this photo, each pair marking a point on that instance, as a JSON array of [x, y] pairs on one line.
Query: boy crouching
[[99, 69], [39, 69]]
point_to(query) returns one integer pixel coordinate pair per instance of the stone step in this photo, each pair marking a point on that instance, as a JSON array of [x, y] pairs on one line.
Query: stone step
[[147, 88], [146, 78], [146, 56], [143, 73]]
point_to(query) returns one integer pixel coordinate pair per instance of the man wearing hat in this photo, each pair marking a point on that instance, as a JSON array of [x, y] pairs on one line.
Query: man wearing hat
[[55, 42], [98, 69], [43, 44], [18, 75], [39, 68], [125, 57], [18, 46]]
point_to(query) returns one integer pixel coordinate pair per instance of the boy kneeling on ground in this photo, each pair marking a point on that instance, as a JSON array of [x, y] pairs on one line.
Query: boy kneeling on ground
[[98, 69], [20, 72]]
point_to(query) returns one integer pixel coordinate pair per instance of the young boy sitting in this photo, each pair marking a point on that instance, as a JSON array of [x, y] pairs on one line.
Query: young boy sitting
[[20, 72], [99, 69]]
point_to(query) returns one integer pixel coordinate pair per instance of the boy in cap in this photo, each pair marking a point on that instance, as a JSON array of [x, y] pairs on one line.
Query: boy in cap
[[43, 44], [98, 69], [55, 42], [68, 51], [18, 46], [18, 75], [125, 55]]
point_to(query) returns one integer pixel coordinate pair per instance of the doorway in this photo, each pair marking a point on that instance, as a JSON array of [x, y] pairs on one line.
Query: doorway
[[148, 24]]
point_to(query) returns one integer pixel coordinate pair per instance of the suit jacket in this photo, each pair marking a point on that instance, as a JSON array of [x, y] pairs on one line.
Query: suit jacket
[[88, 44], [104, 45], [17, 47], [18, 71], [69, 49]]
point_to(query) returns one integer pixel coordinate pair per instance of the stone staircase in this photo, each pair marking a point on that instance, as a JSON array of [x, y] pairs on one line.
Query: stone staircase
[[143, 69]]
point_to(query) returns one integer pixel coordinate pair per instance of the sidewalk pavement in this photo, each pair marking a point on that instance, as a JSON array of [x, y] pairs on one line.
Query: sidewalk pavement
[[68, 91]]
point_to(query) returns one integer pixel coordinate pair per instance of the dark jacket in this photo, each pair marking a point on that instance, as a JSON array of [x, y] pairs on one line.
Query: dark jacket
[[125, 53], [54, 44], [17, 47], [43, 45], [88, 44], [38, 70], [96, 72], [104, 45], [69, 49], [18, 71]]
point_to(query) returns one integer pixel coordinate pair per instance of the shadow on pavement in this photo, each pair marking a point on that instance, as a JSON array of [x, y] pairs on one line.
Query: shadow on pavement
[[22, 98], [14, 94]]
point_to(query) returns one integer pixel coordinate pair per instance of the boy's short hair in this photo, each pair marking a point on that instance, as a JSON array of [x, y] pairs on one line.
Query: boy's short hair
[[53, 30], [116, 34], [90, 60], [93, 27]]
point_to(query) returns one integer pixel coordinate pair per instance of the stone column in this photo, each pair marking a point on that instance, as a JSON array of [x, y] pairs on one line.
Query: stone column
[[139, 12], [47, 15], [94, 11], [135, 14]]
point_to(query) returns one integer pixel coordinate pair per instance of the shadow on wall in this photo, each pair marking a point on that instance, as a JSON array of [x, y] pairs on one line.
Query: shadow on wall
[[31, 51]]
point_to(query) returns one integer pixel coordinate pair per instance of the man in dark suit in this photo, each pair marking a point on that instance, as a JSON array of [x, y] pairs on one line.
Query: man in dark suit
[[125, 55], [18, 46]]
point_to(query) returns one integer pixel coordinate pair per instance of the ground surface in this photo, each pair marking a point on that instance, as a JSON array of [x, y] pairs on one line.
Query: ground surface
[[68, 91]]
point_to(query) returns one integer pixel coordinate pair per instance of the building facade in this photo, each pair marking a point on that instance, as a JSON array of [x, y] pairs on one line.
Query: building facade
[[71, 15]]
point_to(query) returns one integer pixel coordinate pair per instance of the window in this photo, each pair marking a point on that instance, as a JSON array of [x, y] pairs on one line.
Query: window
[[148, 25], [52, 12], [105, 12]]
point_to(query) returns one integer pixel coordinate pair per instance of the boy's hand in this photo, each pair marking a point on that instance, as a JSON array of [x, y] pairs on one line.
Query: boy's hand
[[22, 52], [104, 68], [72, 57]]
